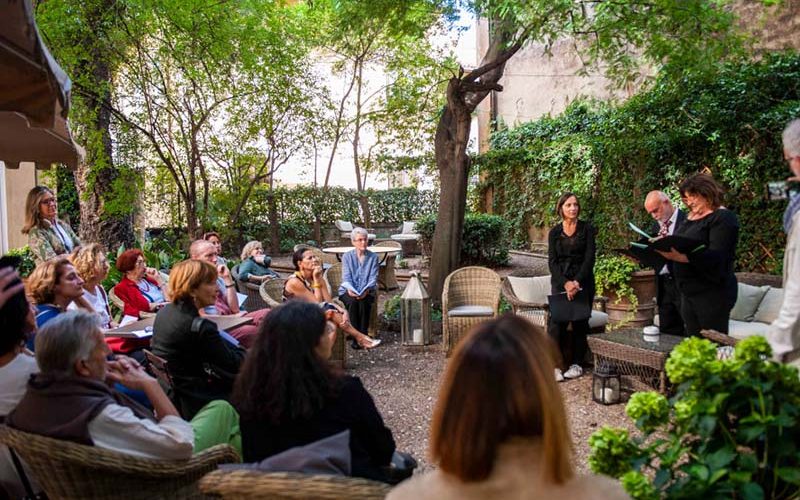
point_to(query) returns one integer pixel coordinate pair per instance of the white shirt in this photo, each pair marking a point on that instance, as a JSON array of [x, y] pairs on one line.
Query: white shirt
[[670, 230], [784, 333], [13, 381], [117, 428], [98, 302]]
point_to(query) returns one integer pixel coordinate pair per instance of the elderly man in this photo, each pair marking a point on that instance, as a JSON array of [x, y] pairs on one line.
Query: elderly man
[[227, 302], [667, 219], [784, 333], [71, 399]]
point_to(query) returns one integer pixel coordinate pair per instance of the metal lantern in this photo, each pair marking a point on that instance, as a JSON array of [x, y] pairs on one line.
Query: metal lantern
[[415, 313], [606, 384]]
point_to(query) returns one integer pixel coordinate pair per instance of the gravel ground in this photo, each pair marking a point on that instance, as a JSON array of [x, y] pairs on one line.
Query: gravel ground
[[404, 382]]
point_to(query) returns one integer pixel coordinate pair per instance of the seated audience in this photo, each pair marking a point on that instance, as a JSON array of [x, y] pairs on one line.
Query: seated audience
[[308, 284], [52, 286], [48, 236], [141, 288], [92, 266], [214, 238], [499, 428], [16, 367], [226, 302], [193, 346], [71, 398], [359, 280], [288, 395], [255, 264]]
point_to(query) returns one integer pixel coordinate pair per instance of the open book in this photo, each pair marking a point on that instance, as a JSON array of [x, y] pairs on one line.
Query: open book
[[664, 243], [348, 286]]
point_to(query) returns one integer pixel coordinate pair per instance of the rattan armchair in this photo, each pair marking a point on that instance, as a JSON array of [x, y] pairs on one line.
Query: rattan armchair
[[724, 339], [387, 279], [470, 296], [252, 290], [250, 484], [334, 278], [112, 297], [67, 470]]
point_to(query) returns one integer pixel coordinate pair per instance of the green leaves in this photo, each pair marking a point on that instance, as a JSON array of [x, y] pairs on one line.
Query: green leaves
[[649, 409]]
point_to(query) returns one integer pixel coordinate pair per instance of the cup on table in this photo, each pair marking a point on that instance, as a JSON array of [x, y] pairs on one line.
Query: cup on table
[[651, 333]]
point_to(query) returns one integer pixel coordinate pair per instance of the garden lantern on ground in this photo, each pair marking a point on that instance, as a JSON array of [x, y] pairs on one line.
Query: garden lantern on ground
[[415, 313], [606, 384]]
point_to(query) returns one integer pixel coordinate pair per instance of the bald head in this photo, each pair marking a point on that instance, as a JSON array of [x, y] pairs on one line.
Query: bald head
[[203, 250], [658, 205]]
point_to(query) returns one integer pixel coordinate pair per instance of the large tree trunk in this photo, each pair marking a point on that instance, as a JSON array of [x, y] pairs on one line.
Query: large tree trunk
[[274, 224], [96, 177]]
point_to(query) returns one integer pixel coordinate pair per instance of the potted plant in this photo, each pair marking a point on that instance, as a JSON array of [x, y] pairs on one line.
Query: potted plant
[[630, 290], [732, 430]]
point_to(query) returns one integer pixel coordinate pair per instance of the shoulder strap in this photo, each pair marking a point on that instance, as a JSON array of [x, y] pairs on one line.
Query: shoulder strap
[[197, 323]]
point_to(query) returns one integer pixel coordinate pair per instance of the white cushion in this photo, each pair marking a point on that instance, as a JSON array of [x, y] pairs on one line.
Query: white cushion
[[344, 225], [531, 289], [408, 227], [744, 329], [747, 300], [598, 319], [467, 310], [770, 306], [405, 237]]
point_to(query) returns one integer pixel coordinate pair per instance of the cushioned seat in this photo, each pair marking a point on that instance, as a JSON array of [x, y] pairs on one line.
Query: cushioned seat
[[471, 311], [744, 329], [405, 237]]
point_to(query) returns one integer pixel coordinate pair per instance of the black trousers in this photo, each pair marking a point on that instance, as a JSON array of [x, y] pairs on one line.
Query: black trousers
[[359, 310], [669, 306], [709, 310], [571, 344]]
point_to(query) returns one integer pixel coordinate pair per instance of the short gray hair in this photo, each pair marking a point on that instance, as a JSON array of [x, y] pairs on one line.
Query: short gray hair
[[358, 230], [791, 138], [65, 340], [249, 247]]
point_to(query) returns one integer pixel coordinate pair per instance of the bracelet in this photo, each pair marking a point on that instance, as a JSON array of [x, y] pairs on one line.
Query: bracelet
[[230, 286], [316, 286]]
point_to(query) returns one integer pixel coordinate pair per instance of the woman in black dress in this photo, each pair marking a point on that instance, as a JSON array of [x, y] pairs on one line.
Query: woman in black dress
[[287, 394], [705, 276], [571, 250]]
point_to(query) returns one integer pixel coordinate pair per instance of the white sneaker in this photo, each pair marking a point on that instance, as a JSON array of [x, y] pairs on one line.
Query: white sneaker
[[559, 375], [574, 371]]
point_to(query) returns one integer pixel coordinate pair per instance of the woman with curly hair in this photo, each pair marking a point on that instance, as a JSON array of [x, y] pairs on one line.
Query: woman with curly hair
[[52, 286], [288, 395]]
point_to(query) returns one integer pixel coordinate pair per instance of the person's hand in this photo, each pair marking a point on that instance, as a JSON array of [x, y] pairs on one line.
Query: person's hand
[[128, 372], [152, 273], [353, 294], [674, 256], [7, 275], [317, 271], [224, 273]]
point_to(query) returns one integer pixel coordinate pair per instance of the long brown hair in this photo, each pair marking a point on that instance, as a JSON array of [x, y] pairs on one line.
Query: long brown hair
[[499, 385], [33, 216]]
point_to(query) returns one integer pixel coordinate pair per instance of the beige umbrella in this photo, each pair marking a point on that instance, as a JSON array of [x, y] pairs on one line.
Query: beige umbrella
[[34, 95]]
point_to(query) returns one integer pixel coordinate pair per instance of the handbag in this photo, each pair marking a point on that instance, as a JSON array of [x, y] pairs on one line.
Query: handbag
[[563, 310]]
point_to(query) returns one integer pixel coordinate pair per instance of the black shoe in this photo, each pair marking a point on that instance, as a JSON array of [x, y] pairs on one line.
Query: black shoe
[[355, 345]]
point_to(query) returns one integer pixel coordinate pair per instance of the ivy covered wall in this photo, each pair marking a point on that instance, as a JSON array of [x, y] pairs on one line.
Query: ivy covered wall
[[728, 122]]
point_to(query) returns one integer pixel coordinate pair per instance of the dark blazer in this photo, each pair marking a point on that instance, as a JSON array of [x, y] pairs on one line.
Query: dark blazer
[[656, 227], [188, 354], [572, 258], [371, 442]]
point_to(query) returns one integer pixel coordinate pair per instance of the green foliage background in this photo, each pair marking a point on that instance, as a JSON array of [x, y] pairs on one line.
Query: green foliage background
[[727, 120]]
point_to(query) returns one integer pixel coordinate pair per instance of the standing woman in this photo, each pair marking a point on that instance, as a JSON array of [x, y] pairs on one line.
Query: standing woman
[[141, 288], [571, 250], [705, 276], [48, 236], [359, 280]]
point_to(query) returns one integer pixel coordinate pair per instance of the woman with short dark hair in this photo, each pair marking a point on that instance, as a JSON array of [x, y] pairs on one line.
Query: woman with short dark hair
[[571, 254], [288, 395], [141, 288], [705, 277], [499, 427]]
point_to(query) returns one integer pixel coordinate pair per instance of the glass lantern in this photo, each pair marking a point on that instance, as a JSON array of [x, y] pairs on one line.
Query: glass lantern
[[415, 313], [606, 384]]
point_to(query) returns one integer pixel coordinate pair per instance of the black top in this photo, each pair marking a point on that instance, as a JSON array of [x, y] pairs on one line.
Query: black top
[[572, 258], [371, 442], [710, 269], [188, 354]]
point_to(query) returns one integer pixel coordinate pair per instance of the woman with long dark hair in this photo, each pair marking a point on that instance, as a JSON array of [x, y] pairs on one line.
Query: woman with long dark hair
[[288, 395]]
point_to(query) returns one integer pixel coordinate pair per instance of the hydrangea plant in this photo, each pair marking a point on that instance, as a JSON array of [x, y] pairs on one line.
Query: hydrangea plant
[[732, 429]]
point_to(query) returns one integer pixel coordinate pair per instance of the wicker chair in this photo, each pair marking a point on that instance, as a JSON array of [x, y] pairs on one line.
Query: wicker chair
[[272, 293], [249, 484], [406, 236], [470, 296], [387, 279], [726, 340], [69, 470], [253, 291], [539, 312], [334, 278]]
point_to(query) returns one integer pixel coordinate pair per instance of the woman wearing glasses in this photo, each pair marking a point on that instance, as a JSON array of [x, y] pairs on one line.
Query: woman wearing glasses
[[48, 236], [141, 288]]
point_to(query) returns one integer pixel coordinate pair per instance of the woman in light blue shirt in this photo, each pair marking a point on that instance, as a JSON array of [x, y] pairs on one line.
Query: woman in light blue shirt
[[359, 280]]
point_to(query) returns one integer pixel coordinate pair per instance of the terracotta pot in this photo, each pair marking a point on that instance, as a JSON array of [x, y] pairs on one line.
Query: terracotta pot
[[622, 313]]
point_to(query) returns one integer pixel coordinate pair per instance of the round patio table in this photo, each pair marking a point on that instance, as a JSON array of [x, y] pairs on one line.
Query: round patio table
[[339, 251]]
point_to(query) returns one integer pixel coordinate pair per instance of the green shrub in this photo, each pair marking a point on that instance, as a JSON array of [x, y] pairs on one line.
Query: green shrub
[[391, 308], [613, 272], [732, 430], [293, 232], [27, 264], [484, 242]]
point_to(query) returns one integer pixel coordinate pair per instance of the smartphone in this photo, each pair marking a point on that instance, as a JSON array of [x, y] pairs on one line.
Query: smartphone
[[10, 261]]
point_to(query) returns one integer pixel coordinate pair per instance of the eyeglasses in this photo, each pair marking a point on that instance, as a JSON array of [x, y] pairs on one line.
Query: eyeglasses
[[140, 262], [48, 201]]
